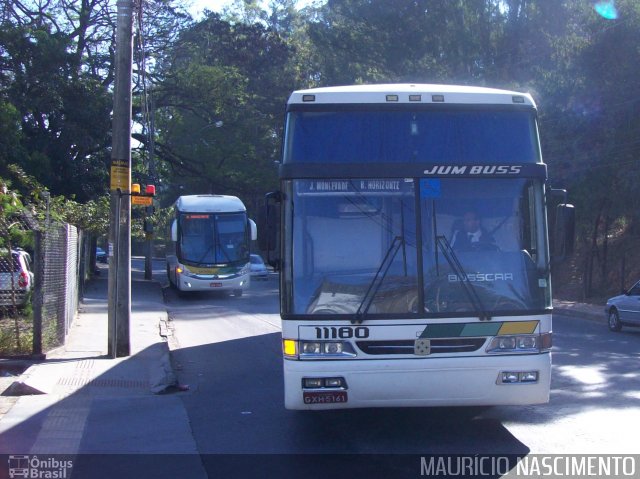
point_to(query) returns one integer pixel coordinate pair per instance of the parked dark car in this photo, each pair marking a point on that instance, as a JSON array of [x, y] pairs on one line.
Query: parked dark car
[[101, 255], [624, 309]]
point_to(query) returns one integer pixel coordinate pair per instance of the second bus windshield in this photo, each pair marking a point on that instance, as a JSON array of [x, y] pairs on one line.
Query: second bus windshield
[[358, 244], [213, 238]]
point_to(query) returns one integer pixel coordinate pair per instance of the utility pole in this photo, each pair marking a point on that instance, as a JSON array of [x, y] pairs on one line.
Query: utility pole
[[120, 226]]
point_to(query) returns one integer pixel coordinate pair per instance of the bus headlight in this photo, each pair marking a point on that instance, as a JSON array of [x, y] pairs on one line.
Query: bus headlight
[[518, 377], [317, 349], [310, 348], [333, 348], [324, 383], [524, 343]]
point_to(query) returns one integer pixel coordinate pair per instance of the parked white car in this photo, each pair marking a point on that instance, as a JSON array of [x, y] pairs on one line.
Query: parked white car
[[18, 268], [258, 268], [624, 309]]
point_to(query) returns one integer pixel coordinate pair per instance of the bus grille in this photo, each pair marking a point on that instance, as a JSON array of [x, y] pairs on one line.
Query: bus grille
[[438, 346]]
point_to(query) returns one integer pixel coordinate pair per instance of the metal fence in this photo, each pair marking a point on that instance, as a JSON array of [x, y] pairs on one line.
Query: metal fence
[[57, 260], [40, 289]]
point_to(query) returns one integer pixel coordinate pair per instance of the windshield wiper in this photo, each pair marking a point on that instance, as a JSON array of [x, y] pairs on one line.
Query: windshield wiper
[[367, 301], [205, 254], [469, 289]]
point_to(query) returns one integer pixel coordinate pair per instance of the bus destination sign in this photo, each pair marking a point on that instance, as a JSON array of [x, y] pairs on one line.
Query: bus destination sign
[[356, 186]]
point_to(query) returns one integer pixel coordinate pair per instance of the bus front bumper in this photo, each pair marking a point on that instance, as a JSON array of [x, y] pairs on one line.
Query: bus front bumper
[[192, 283], [462, 381]]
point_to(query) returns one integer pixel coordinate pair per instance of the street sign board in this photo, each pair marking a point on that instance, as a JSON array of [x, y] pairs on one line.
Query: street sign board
[[142, 200], [120, 175]]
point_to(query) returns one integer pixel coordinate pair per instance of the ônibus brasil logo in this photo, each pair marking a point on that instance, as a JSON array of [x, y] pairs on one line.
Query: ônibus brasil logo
[[39, 467]]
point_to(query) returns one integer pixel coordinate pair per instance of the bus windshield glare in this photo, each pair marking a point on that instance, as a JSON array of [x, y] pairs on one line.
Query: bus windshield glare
[[213, 238], [390, 136], [400, 247]]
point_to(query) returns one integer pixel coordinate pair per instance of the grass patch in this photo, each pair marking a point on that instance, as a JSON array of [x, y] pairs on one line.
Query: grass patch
[[16, 334]]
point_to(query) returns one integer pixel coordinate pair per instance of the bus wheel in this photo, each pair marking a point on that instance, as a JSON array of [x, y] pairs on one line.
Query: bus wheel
[[614, 320], [237, 292]]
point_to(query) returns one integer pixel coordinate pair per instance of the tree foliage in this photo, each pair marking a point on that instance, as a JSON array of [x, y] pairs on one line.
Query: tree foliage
[[55, 78], [219, 108]]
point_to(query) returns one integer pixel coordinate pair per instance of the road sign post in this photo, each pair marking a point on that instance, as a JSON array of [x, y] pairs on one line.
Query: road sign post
[[119, 298]]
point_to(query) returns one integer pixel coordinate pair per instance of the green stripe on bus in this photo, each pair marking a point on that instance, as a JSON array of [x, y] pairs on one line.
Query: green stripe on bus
[[452, 330], [456, 330], [481, 329]]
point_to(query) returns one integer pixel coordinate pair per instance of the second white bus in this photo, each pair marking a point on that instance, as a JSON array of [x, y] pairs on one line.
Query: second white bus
[[210, 238]]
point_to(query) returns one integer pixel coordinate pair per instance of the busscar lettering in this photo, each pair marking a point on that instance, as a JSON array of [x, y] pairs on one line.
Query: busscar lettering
[[479, 277]]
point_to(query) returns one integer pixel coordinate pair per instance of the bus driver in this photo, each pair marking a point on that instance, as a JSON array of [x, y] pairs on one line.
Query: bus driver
[[472, 236]]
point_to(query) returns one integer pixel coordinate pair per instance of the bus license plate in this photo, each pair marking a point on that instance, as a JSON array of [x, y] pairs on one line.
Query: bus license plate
[[324, 397], [216, 285]]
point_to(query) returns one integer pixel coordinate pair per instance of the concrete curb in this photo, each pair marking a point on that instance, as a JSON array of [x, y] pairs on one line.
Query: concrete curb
[[162, 376]]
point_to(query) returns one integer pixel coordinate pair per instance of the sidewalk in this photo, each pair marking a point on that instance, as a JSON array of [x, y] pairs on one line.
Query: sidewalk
[[575, 309], [88, 403]]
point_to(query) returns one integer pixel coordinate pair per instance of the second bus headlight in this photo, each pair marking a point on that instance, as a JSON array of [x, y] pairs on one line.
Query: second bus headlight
[[525, 343], [325, 350], [333, 348]]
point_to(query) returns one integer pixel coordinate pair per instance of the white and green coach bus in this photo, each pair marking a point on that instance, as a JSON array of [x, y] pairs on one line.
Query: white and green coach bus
[[210, 243], [379, 305]]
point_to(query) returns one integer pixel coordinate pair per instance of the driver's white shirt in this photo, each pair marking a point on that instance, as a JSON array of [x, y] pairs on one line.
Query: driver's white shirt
[[474, 237]]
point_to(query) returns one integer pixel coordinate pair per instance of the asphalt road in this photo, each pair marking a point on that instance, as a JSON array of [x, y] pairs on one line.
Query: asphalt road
[[227, 350]]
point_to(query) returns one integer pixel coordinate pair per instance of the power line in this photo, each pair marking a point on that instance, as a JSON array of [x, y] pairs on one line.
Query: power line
[[147, 94], [148, 122]]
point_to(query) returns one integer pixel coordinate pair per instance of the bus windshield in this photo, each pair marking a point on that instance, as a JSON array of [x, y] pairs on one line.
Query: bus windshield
[[427, 136], [213, 238], [403, 247]]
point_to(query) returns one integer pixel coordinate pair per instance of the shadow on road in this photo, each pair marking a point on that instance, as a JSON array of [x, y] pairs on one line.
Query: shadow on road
[[236, 408]]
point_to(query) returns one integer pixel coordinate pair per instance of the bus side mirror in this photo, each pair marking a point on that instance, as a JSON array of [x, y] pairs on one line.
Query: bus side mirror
[[174, 231], [254, 229], [564, 232], [269, 228]]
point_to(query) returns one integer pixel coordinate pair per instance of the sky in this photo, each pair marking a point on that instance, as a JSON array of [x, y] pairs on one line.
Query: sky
[[198, 6]]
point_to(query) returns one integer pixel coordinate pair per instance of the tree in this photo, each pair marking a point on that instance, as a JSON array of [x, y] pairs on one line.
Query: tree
[[63, 115], [56, 64], [219, 108], [358, 41]]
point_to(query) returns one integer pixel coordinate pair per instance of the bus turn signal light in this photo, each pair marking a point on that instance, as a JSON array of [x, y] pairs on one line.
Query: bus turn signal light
[[289, 348]]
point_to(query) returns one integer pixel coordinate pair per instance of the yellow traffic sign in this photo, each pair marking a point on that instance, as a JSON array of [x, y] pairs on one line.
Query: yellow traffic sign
[[142, 200], [120, 175]]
